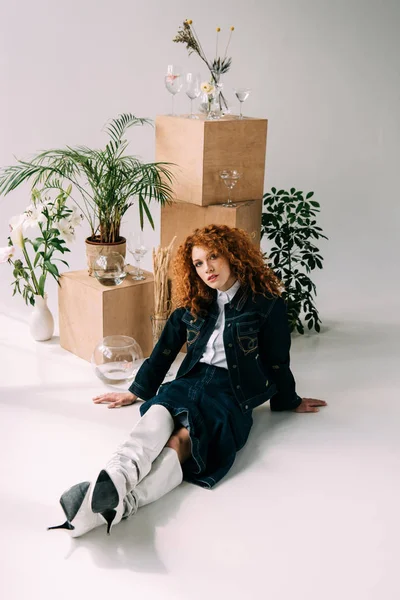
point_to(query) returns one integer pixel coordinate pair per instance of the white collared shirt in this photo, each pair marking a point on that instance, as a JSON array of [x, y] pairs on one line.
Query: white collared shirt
[[214, 354]]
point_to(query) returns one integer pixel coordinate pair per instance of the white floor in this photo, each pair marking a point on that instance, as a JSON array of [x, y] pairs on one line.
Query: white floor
[[309, 511]]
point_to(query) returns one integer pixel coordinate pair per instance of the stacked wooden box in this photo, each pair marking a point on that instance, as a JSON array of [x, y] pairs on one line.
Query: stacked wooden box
[[199, 149], [89, 311]]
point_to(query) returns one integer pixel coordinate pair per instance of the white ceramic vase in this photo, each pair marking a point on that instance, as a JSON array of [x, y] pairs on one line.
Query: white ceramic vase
[[41, 321]]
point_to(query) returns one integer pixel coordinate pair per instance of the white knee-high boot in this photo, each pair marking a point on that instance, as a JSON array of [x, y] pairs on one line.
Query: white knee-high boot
[[131, 462], [165, 475], [76, 504]]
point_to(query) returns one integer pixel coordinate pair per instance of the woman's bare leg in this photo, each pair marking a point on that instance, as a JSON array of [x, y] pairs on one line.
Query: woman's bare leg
[[180, 441]]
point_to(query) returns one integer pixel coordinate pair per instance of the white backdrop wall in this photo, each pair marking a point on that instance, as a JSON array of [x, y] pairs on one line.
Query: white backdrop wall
[[326, 75]]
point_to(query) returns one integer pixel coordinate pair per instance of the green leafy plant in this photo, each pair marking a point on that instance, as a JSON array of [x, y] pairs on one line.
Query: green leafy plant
[[107, 181], [289, 222], [56, 224]]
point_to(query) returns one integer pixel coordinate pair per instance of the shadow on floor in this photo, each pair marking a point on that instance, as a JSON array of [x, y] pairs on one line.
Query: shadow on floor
[[131, 544]]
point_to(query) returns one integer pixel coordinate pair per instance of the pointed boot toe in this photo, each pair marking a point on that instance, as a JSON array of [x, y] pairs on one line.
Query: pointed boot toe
[[75, 503]]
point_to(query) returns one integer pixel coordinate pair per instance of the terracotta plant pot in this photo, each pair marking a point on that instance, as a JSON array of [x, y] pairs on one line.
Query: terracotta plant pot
[[95, 248]]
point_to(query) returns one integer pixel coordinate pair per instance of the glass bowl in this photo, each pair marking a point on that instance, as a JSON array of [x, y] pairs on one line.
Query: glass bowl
[[117, 358], [109, 269]]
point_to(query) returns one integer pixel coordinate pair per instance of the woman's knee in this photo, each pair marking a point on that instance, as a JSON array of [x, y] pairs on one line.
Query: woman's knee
[[180, 441]]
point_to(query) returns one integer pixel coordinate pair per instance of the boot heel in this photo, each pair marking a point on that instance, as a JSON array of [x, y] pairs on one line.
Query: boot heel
[[109, 516]]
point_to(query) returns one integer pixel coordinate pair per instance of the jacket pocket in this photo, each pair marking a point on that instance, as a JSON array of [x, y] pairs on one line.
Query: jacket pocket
[[193, 327], [247, 334]]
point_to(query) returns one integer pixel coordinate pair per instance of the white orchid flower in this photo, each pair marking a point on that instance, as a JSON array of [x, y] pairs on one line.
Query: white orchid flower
[[6, 253], [17, 230], [48, 203], [75, 218], [66, 230], [34, 216]]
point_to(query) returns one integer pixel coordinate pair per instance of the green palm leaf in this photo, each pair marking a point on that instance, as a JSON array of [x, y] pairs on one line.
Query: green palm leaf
[[107, 180]]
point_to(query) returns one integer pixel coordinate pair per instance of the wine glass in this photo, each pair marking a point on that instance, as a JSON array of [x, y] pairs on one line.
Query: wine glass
[[192, 90], [230, 177], [137, 248], [242, 94], [173, 82]]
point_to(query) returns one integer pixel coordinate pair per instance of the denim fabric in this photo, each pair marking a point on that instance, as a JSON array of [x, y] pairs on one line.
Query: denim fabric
[[203, 401], [257, 346]]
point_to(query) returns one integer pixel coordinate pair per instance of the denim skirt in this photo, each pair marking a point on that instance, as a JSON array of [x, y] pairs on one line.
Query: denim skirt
[[204, 403]]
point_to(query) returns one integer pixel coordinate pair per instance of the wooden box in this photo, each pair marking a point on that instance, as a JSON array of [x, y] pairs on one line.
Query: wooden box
[[181, 219], [200, 149], [89, 311]]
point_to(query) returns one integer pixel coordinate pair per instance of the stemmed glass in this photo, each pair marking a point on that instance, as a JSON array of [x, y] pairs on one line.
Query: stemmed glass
[[230, 177], [242, 94], [137, 248], [173, 82], [192, 90]]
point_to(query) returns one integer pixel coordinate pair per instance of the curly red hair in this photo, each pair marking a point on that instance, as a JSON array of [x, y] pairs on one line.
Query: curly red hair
[[246, 262]]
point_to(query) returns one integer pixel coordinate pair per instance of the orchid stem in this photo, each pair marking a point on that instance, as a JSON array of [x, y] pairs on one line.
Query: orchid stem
[[28, 262]]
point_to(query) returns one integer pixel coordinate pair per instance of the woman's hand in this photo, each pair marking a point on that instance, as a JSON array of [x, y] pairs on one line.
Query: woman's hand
[[116, 399], [310, 405]]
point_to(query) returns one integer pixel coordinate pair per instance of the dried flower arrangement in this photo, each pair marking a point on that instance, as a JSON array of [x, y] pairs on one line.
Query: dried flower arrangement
[[162, 291], [220, 65]]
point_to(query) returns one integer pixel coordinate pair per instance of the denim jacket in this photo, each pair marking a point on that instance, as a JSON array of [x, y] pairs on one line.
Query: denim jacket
[[257, 344]]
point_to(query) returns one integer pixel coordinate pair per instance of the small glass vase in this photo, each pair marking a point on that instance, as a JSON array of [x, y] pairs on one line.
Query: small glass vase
[[157, 327], [109, 269], [214, 111], [117, 358]]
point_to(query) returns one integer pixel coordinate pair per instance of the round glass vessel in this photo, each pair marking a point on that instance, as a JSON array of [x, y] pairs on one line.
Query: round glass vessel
[[117, 358], [109, 269]]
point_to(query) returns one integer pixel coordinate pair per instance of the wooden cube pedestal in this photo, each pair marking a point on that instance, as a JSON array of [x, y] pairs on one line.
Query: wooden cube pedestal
[[200, 149], [89, 311], [181, 219]]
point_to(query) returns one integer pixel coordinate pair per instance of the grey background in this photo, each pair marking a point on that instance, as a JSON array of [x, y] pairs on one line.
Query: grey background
[[325, 74]]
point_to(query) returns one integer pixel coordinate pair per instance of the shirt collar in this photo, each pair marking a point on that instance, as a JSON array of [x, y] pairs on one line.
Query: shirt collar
[[229, 294]]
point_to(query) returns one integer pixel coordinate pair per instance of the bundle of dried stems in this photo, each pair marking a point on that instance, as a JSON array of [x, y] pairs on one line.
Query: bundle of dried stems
[[162, 300]]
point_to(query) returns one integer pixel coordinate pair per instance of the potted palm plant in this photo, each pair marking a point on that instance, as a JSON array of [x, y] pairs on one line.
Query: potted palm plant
[[105, 183]]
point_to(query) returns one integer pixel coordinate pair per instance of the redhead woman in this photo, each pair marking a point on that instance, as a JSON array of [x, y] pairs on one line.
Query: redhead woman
[[229, 311]]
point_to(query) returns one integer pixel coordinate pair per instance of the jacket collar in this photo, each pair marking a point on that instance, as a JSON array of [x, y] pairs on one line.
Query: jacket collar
[[241, 296], [229, 294], [236, 302]]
